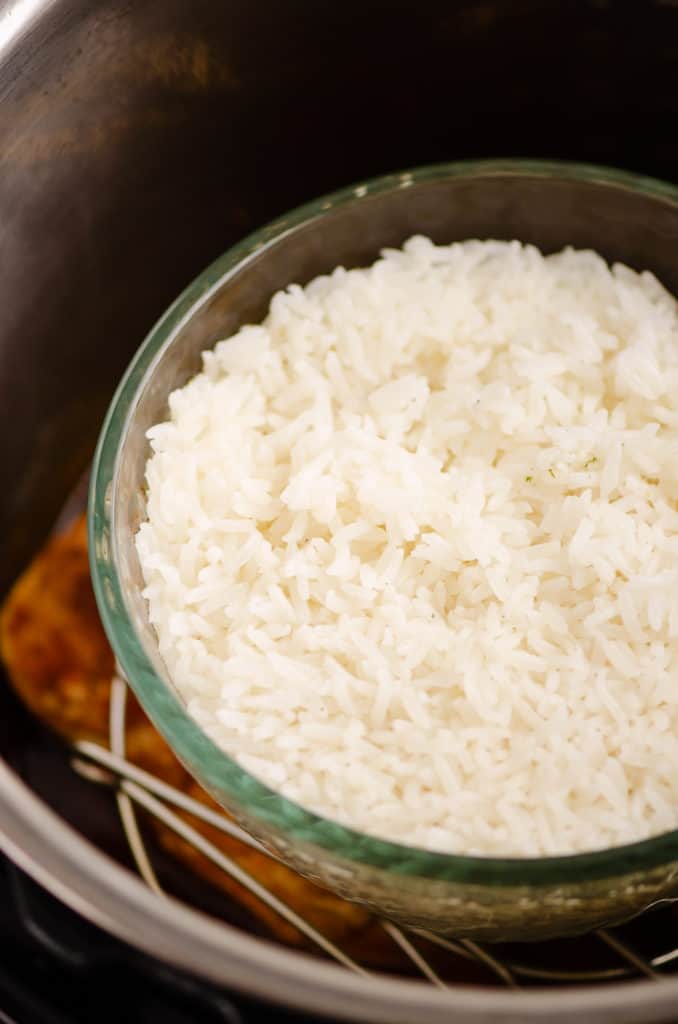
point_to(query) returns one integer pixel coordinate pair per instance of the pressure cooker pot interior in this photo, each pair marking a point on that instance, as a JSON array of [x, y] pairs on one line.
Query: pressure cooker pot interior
[[138, 141]]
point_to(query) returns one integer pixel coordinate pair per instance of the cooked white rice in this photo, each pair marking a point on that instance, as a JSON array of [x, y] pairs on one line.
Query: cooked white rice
[[412, 548]]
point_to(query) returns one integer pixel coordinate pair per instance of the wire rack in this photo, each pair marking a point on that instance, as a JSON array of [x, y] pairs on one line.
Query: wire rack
[[610, 956]]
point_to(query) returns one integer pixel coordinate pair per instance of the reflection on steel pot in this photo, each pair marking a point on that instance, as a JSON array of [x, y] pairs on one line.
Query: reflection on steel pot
[[139, 141]]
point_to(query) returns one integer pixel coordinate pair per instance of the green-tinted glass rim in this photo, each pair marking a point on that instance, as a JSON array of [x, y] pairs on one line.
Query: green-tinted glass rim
[[181, 731]]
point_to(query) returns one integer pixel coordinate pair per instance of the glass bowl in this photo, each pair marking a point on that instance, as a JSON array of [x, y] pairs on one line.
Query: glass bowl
[[624, 217]]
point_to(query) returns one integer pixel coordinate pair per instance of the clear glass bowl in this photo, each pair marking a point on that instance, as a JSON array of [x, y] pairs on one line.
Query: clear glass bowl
[[624, 217]]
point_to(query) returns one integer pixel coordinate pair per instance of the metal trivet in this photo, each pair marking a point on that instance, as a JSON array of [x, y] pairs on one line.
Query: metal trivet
[[541, 963]]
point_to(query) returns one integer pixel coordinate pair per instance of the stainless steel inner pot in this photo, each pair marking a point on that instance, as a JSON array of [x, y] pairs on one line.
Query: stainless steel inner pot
[[137, 142]]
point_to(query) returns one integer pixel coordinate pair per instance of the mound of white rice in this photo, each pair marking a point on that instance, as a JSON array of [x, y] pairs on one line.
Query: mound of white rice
[[412, 548]]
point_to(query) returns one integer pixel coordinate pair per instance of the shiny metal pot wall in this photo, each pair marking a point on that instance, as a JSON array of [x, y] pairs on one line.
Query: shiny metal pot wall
[[138, 141]]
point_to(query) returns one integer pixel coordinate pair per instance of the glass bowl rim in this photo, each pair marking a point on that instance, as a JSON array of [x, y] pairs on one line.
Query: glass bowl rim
[[290, 818]]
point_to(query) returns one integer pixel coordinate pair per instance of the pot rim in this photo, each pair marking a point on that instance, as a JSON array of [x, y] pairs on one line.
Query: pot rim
[[110, 896]]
